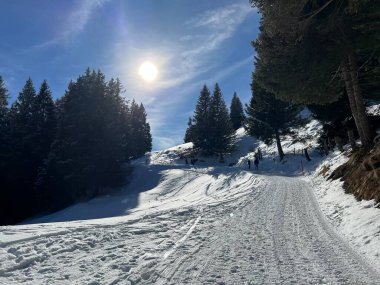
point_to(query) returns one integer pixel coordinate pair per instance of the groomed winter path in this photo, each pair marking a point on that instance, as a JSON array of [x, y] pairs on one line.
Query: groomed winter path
[[232, 227], [279, 236]]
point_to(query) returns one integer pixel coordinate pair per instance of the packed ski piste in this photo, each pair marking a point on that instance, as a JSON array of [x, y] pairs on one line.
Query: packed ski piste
[[208, 221]]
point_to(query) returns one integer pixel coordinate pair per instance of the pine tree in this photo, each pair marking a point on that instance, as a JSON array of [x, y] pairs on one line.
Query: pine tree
[[23, 163], [222, 134], [5, 153], [45, 131], [3, 105], [46, 121], [22, 111], [189, 135], [236, 112], [4, 120], [202, 120], [289, 52], [146, 139], [269, 117], [88, 154], [141, 139], [334, 112]]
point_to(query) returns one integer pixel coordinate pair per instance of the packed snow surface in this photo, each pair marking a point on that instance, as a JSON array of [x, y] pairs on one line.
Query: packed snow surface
[[205, 224]]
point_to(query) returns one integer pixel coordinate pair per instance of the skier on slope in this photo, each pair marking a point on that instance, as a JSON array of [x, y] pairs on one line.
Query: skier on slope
[[249, 164]]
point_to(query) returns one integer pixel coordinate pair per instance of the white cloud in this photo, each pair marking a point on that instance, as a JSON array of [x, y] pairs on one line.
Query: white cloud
[[75, 23], [228, 16], [210, 30]]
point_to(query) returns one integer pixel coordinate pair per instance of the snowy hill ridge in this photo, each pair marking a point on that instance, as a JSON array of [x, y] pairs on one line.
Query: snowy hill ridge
[[211, 223]]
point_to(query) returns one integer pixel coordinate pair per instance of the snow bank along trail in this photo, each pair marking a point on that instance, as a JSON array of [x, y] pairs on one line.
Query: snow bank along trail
[[196, 226]]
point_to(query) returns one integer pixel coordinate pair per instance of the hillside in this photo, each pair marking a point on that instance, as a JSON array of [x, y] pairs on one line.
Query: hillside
[[206, 224]]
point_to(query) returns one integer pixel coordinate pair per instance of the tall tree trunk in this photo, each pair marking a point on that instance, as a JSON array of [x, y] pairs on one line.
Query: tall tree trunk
[[351, 138], [362, 117], [279, 147], [353, 104]]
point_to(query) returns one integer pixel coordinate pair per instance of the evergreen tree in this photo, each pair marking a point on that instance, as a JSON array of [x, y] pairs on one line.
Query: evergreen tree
[[334, 112], [46, 121], [3, 105], [146, 138], [73, 150], [4, 131], [22, 111], [23, 163], [141, 139], [222, 134], [5, 152], [269, 117], [45, 132], [201, 120], [236, 112], [211, 129], [289, 52], [88, 154], [189, 135]]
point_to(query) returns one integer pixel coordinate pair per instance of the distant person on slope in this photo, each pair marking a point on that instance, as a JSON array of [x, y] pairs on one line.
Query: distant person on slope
[[249, 164], [259, 153], [256, 161]]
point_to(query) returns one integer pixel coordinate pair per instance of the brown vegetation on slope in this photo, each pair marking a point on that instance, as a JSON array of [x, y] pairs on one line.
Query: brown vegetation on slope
[[361, 174]]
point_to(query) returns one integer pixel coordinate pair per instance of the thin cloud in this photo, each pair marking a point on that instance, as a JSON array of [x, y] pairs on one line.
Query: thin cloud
[[220, 18], [75, 23], [210, 30]]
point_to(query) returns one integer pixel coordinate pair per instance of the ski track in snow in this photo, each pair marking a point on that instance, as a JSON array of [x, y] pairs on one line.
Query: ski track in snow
[[231, 227]]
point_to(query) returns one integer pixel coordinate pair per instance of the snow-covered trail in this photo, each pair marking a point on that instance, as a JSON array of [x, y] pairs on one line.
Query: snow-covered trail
[[200, 226], [279, 236]]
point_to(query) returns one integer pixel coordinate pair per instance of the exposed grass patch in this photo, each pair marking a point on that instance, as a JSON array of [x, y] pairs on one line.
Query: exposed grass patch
[[361, 174]]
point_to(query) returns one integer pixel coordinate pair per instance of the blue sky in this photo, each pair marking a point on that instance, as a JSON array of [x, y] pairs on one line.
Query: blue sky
[[192, 43]]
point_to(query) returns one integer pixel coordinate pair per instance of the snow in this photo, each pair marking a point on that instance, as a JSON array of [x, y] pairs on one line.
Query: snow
[[373, 109], [357, 221], [211, 223]]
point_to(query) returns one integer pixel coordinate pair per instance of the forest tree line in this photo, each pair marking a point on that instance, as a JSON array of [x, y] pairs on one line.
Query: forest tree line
[[53, 154]]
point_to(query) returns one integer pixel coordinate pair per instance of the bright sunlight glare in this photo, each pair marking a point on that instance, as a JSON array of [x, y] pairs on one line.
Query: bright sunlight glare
[[148, 71]]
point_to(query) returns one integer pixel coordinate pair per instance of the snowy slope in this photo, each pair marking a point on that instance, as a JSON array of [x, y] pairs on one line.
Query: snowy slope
[[207, 224]]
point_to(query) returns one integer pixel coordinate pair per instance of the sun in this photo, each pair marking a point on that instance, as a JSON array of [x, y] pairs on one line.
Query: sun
[[148, 71]]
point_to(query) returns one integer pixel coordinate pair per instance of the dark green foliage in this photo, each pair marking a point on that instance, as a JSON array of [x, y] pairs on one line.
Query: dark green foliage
[[31, 130], [4, 132], [140, 137], [3, 104], [222, 134], [211, 129], [268, 117], [201, 120], [4, 148], [189, 135], [87, 155], [236, 112], [310, 51], [56, 154], [333, 112], [46, 121]]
